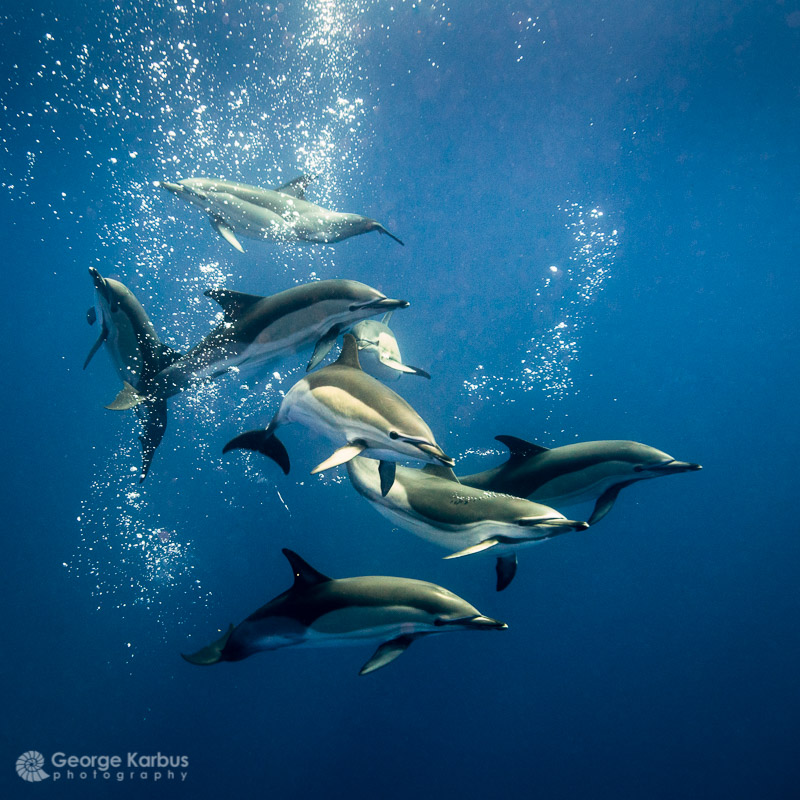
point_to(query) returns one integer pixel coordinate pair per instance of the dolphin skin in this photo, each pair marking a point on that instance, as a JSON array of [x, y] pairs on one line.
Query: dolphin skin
[[431, 503], [576, 473], [349, 407], [258, 330], [319, 611], [136, 352], [278, 215], [378, 351]]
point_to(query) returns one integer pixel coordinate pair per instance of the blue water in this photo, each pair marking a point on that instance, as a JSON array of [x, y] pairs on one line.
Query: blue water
[[646, 151]]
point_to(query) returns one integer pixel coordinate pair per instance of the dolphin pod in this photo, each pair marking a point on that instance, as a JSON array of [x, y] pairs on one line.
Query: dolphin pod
[[497, 511], [255, 331], [277, 215], [320, 611], [576, 473], [354, 410], [433, 504]]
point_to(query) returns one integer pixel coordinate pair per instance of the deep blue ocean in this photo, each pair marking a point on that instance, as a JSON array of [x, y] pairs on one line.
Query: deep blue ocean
[[600, 209]]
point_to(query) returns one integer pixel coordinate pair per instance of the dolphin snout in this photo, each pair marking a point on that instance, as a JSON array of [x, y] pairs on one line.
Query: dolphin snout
[[99, 281], [436, 452], [672, 467], [486, 623], [176, 188], [383, 304]]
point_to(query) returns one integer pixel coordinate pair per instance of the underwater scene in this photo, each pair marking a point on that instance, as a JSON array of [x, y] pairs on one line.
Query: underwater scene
[[400, 399]]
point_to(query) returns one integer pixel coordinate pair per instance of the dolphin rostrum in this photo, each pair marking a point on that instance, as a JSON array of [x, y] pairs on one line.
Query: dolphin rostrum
[[281, 214], [349, 407], [319, 611], [433, 504], [576, 473], [136, 353], [378, 351]]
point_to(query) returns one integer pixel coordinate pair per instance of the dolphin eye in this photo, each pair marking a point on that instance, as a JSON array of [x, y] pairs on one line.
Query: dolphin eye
[[394, 435]]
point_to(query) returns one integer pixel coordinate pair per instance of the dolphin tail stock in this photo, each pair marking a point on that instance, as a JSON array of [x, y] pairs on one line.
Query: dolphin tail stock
[[264, 442], [212, 653], [388, 652], [152, 416]]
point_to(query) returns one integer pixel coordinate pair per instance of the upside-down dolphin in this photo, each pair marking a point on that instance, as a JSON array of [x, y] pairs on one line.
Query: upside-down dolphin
[[576, 473], [378, 351], [319, 611], [136, 353], [281, 214], [431, 503], [349, 407]]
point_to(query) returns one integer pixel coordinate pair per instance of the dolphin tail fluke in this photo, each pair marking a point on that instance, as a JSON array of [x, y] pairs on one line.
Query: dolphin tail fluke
[[506, 569], [387, 653], [153, 417], [127, 398], [476, 548], [264, 442], [212, 654]]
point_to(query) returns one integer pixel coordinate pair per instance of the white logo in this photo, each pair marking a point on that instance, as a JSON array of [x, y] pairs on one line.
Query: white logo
[[29, 766]]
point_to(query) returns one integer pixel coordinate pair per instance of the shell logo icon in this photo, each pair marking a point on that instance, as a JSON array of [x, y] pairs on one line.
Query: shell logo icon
[[29, 766]]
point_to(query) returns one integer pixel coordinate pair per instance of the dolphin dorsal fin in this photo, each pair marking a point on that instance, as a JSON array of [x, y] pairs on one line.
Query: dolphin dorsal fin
[[305, 575], [297, 187], [349, 355], [441, 471], [519, 448], [234, 304]]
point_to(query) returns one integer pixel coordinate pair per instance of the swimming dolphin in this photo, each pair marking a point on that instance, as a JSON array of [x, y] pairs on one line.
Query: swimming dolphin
[[281, 214], [136, 353], [432, 504], [319, 611], [346, 405], [576, 473], [378, 351], [257, 330]]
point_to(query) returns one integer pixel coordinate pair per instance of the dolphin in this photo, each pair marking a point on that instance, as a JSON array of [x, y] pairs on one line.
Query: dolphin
[[378, 351], [319, 611], [576, 473], [346, 405], [136, 353], [282, 214], [433, 504], [257, 330]]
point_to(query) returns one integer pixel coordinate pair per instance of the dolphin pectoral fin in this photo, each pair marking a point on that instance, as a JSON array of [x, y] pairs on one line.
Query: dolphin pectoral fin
[[226, 233], [211, 654], [340, 456], [506, 568], [606, 501], [323, 347], [387, 653], [127, 398], [386, 471], [476, 548], [96, 346], [91, 315], [152, 415], [264, 442], [386, 317]]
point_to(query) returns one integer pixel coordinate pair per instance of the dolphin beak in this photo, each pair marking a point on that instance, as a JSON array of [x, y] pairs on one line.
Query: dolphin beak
[[546, 528], [175, 188], [436, 452], [672, 467], [486, 623], [384, 304]]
